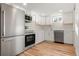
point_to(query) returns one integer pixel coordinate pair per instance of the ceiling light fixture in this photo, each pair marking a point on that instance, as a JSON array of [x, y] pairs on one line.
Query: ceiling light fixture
[[60, 10], [24, 4]]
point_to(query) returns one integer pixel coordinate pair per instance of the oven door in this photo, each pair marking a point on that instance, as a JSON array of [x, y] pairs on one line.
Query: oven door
[[29, 39]]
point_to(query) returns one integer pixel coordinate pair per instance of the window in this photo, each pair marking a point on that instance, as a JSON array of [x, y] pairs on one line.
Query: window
[[57, 18]]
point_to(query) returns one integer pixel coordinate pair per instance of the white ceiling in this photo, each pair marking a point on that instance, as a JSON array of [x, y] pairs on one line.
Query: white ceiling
[[50, 7], [47, 8], [18, 4]]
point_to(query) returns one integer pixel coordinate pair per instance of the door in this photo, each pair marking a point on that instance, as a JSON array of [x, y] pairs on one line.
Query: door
[[12, 21], [59, 36]]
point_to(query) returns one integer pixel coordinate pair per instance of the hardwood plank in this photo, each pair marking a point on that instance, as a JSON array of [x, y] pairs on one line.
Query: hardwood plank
[[50, 49]]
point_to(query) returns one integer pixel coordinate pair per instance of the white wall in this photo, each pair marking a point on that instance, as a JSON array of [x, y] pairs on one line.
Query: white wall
[[57, 26], [68, 17]]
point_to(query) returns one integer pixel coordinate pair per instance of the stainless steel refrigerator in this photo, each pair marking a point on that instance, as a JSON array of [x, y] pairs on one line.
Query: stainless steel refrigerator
[[11, 30]]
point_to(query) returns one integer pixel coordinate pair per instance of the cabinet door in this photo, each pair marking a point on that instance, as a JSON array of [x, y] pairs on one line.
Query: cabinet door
[[42, 20], [47, 20], [7, 47], [39, 36]]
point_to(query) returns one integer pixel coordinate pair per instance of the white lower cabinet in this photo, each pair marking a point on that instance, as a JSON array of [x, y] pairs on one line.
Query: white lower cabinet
[[12, 46], [39, 37]]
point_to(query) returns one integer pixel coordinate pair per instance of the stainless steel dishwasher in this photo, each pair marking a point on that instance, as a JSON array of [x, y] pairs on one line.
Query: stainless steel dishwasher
[[59, 36]]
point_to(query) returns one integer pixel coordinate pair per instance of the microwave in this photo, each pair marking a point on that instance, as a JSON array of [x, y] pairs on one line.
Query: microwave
[[28, 18]]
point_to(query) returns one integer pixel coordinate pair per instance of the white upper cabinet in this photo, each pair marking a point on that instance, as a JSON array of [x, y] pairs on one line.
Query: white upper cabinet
[[68, 18], [48, 20], [45, 20], [41, 19]]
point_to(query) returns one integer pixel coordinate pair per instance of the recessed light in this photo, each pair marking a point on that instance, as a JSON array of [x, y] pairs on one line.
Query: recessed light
[[60, 10], [24, 3]]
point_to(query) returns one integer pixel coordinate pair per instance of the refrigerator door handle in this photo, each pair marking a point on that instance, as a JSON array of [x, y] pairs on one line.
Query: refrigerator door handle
[[3, 19]]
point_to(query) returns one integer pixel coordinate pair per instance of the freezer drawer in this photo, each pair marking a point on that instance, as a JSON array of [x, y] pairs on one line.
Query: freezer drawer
[[59, 36], [8, 47], [12, 46]]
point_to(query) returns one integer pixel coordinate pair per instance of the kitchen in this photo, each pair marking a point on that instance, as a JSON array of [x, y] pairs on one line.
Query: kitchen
[[24, 26]]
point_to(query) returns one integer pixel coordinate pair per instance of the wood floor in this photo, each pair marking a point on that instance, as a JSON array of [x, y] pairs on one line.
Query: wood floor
[[50, 49]]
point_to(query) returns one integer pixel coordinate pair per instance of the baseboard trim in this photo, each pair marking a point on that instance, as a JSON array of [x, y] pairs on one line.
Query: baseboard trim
[[39, 42], [58, 42]]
